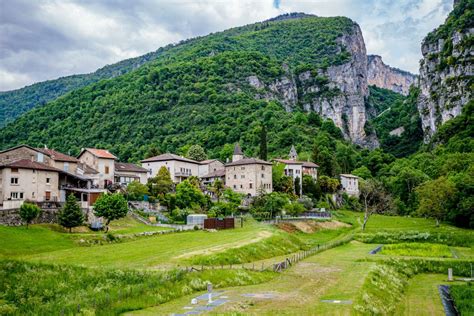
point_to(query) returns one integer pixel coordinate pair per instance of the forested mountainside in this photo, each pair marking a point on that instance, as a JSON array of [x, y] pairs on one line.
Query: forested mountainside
[[446, 70], [396, 120], [16, 102], [217, 90]]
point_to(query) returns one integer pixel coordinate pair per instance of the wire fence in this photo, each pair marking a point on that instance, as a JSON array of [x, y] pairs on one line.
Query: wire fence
[[276, 266]]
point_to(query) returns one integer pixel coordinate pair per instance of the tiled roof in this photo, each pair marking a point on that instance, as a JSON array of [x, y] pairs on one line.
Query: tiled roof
[[169, 156], [289, 161], [100, 153], [237, 150], [348, 175], [56, 155], [128, 167], [248, 161], [28, 164], [207, 161], [214, 174], [310, 164]]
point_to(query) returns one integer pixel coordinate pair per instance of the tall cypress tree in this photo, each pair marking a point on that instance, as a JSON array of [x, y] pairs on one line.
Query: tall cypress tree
[[71, 214], [263, 143]]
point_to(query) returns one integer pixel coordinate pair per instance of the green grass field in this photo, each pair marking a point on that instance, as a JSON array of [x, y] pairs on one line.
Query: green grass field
[[417, 250], [339, 274]]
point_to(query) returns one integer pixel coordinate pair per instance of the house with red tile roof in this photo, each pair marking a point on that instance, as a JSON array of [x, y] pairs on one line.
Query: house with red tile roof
[[101, 160]]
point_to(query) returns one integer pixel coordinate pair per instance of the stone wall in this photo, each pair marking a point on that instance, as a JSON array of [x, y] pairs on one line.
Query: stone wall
[[12, 217]]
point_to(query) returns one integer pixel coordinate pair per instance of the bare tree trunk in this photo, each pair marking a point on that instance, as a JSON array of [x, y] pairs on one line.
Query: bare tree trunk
[[366, 214]]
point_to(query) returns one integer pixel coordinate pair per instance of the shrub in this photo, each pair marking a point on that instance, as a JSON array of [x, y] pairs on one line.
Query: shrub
[[28, 212]]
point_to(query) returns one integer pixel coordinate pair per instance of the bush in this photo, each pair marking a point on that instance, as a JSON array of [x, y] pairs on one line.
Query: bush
[[448, 238], [28, 212]]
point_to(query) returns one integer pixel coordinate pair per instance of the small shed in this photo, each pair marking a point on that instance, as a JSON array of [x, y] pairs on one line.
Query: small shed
[[196, 219]]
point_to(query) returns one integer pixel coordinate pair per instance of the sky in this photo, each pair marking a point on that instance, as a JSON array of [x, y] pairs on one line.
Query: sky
[[47, 39]]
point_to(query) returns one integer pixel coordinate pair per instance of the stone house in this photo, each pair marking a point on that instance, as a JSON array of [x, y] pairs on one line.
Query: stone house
[[350, 184], [180, 168], [126, 173], [25, 179], [102, 161], [248, 175], [209, 166], [72, 175]]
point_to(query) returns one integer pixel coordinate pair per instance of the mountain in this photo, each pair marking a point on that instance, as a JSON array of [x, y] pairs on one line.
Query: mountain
[[16, 102], [213, 90], [383, 76], [446, 70]]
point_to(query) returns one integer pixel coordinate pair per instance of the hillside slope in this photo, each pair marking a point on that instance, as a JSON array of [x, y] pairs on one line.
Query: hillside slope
[[216, 90], [446, 70], [16, 102]]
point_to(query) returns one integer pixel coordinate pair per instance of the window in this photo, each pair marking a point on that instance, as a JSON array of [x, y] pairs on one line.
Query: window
[[14, 181], [235, 176], [16, 195], [241, 186], [242, 176], [243, 168], [250, 185], [40, 157], [263, 175], [33, 194], [48, 180], [235, 187], [106, 169], [66, 166], [263, 167], [14, 170]]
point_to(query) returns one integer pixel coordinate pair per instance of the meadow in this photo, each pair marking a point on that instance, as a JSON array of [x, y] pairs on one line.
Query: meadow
[[45, 270]]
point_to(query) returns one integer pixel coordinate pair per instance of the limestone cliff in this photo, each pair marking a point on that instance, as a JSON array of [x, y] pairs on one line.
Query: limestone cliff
[[446, 70], [336, 92], [383, 76]]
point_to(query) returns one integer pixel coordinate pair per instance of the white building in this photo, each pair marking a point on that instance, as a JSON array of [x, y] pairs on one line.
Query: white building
[[102, 161], [350, 184], [180, 168], [296, 169]]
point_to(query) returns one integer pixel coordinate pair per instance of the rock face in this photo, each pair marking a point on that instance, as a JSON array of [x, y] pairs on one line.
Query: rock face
[[446, 72], [337, 92], [384, 76]]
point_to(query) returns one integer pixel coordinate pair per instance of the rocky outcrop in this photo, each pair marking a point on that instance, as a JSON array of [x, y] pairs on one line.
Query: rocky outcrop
[[446, 73], [384, 76], [338, 92]]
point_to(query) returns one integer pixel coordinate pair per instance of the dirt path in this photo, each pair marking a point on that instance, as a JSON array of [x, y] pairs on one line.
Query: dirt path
[[331, 275]]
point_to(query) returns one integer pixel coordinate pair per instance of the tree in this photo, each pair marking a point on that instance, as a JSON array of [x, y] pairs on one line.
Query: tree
[[263, 143], [435, 198], [196, 152], [281, 182], [297, 186], [217, 187], [28, 212], [328, 185], [152, 152], [71, 214], [233, 197], [187, 195], [374, 199], [362, 172], [110, 207], [161, 183], [311, 188], [136, 191]]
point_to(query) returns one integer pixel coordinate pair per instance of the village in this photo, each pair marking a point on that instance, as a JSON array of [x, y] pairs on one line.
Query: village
[[46, 177]]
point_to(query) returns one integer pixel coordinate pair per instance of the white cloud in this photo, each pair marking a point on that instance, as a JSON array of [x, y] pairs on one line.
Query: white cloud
[[52, 38]]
